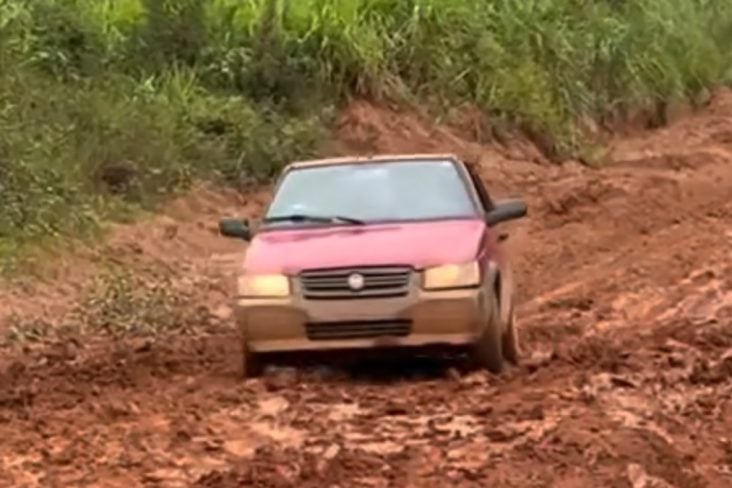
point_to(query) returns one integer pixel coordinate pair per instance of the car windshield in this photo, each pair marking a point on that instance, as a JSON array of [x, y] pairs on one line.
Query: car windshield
[[373, 192]]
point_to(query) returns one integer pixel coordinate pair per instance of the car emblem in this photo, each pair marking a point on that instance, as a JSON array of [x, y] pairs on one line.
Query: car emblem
[[355, 281]]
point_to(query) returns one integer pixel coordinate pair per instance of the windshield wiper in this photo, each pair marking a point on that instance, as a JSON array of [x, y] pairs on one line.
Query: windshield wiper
[[313, 218]]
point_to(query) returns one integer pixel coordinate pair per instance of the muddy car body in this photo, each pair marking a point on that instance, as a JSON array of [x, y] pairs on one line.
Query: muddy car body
[[388, 251]]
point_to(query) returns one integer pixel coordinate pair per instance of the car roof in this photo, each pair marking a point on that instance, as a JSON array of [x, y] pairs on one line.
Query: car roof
[[380, 158]]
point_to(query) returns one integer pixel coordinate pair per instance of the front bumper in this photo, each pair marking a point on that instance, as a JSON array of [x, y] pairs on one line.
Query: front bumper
[[421, 318]]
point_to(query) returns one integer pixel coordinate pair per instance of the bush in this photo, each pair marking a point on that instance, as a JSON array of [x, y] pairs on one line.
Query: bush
[[66, 146]]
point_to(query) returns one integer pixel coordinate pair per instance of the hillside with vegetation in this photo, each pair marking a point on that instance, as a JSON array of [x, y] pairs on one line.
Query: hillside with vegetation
[[121, 365], [107, 106]]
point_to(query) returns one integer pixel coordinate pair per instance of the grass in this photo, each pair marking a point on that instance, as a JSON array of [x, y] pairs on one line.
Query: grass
[[107, 106]]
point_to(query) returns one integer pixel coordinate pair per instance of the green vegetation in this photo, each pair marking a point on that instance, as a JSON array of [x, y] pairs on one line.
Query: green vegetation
[[118, 302], [106, 105], [122, 302]]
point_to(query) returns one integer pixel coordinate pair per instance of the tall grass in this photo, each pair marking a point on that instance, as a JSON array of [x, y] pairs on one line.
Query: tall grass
[[112, 104], [541, 62]]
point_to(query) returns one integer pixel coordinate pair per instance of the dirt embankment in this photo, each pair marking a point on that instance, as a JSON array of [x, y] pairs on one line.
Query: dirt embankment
[[626, 311]]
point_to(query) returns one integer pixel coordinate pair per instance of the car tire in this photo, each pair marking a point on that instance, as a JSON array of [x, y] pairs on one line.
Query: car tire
[[251, 363], [511, 342], [488, 348]]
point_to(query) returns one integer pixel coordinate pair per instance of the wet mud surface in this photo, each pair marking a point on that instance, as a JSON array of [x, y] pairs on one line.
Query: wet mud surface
[[625, 280]]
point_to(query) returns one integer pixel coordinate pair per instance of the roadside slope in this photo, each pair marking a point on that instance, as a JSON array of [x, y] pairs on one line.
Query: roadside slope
[[625, 306]]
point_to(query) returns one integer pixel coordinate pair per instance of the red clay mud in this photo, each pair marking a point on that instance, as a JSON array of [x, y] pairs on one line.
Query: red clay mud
[[625, 307]]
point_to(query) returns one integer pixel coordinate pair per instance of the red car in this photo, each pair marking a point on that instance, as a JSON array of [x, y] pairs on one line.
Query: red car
[[386, 251]]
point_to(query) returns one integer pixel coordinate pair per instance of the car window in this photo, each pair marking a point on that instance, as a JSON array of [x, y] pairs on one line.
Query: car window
[[379, 191]]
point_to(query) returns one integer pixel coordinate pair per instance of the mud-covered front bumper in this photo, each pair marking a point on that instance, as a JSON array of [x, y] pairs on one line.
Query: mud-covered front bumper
[[421, 318]]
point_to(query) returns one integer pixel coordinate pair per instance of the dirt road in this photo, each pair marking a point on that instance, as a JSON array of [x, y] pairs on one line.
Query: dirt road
[[626, 314]]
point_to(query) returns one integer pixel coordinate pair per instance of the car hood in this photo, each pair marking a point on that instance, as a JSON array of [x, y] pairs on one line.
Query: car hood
[[421, 244]]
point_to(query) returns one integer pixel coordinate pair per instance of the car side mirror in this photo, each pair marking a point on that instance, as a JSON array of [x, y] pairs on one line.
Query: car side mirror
[[506, 210], [237, 228]]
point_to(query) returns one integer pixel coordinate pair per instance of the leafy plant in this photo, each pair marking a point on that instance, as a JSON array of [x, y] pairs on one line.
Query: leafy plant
[[123, 303]]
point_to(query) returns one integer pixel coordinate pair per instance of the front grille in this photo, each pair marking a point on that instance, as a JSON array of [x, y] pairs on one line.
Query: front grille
[[365, 329], [334, 283]]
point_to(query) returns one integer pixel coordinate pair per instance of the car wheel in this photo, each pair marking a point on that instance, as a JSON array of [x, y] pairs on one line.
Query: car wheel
[[511, 343], [251, 363], [488, 349]]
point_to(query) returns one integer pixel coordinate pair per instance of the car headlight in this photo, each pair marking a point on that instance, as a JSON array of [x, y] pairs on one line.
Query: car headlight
[[263, 286], [452, 276]]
